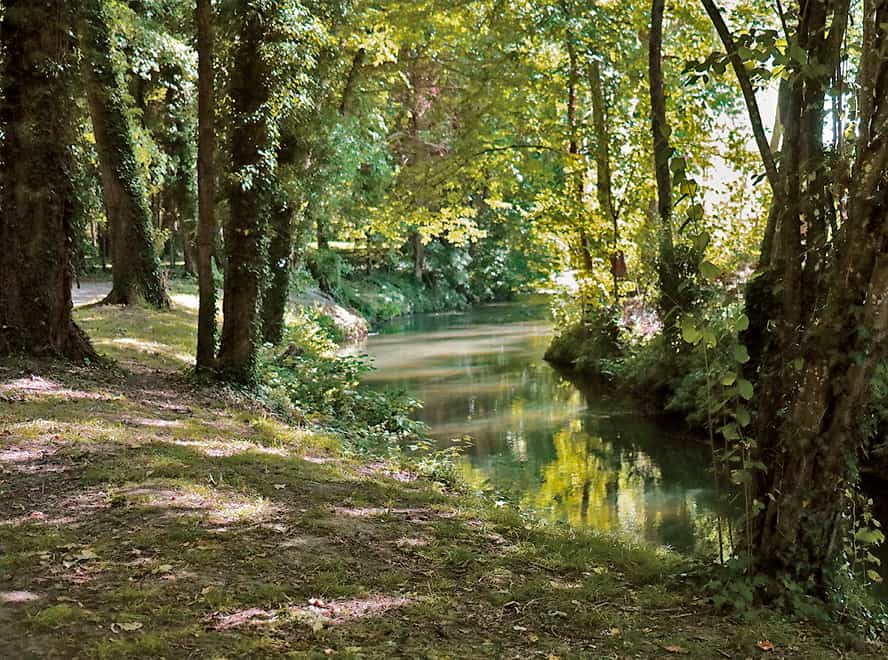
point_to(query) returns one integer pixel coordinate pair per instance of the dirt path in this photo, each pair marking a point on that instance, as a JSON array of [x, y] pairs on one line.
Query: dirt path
[[89, 291]]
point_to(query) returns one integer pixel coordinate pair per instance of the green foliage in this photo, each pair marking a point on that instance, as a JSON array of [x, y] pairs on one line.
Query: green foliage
[[311, 380], [592, 344]]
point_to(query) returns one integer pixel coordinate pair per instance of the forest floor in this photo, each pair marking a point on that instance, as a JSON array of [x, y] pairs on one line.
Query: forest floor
[[143, 517]]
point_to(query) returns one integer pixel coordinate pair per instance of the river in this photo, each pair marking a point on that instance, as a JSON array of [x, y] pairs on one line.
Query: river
[[568, 452]]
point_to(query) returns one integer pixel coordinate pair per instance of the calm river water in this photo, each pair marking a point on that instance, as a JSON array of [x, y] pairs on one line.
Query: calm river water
[[568, 452]]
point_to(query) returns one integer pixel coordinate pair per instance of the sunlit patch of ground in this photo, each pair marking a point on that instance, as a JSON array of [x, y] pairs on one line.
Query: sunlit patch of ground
[[217, 505]]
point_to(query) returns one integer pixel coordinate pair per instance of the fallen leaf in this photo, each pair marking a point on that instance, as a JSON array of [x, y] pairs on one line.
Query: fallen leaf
[[765, 645], [129, 626], [519, 628], [86, 555], [163, 568], [533, 638], [674, 648], [37, 515]]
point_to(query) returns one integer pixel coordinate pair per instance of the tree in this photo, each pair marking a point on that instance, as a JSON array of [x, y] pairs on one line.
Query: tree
[[822, 282], [668, 278], [206, 183], [135, 267], [252, 165], [36, 189], [280, 248], [603, 179]]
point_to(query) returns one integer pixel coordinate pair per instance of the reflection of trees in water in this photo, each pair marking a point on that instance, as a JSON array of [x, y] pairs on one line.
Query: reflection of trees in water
[[594, 483]]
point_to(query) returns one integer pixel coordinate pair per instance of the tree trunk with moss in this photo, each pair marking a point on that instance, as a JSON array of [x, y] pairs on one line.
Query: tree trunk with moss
[[274, 298], [822, 292], [206, 186], [36, 189], [666, 268], [245, 248], [136, 272]]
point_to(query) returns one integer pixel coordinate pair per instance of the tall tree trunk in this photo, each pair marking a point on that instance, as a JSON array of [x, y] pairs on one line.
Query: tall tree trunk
[[348, 91], [573, 150], [135, 268], [823, 304], [251, 140], [276, 294], [321, 237], [206, 186], [36, 190], [833, 322], [603, 183], [666, 266], [418, 257]]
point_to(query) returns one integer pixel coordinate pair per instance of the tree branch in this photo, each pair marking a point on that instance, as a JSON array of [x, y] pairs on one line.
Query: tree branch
[[752, 108]]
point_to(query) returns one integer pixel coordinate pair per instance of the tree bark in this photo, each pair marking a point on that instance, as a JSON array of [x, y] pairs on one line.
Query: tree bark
[[135, 267], [206, 186], [36, 190], [573, 150], [251, 141], [603, 182], [821, 297], [666, 267], [276, 294]]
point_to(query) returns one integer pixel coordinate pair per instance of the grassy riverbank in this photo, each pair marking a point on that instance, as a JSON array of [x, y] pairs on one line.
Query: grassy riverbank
[[144, 517]]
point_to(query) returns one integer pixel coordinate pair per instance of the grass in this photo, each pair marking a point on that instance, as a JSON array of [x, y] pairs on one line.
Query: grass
[[144, 518]]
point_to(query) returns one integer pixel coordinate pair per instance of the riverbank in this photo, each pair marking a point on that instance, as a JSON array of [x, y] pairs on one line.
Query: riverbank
[[145, 517]]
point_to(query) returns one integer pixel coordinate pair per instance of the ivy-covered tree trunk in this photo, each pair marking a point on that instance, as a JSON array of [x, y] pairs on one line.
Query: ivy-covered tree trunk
[[666, 262], [36, 189], [274, 298], [822, 293], [135, 267], [251, 144], [206, 187]]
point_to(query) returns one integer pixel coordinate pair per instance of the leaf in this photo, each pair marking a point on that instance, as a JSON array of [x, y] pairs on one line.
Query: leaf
[[741, 323], [744, 387], [728, 379], [689, 332], [86, 555], [702, 242], [709, 338], [730, 431], [742, 416], [765, 645], [874, 576], [741, 355], [674, 648], [709, 270], [129, 626], [869, 536]]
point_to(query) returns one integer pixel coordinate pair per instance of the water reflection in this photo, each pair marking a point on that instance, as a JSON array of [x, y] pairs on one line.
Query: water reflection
[[569, 452]]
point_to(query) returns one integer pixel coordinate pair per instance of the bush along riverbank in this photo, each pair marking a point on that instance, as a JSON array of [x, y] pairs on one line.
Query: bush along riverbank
[[147, 515], [700, 372]]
